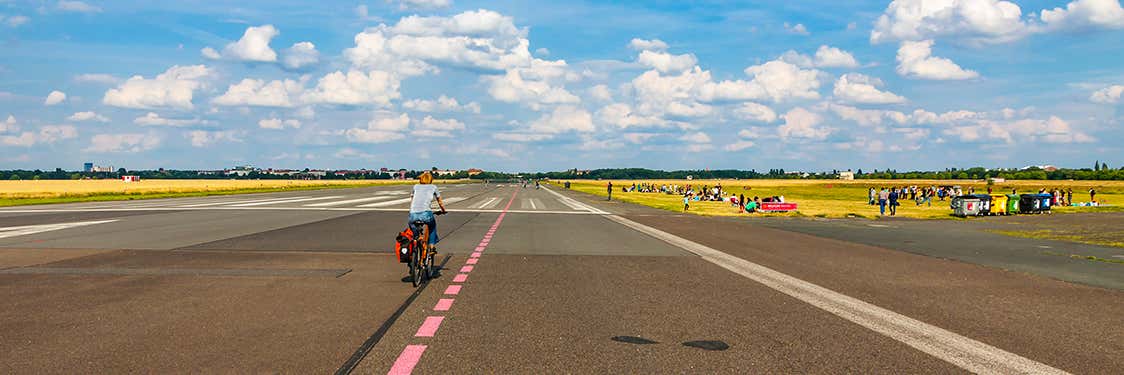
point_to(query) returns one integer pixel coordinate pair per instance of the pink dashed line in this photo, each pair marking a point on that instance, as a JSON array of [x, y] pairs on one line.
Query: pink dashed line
[[406, 361], [471, 260], [466, 269], [480, 248], [476, 254], [460, 278], [453, 290], [443, 304], [430, 326]]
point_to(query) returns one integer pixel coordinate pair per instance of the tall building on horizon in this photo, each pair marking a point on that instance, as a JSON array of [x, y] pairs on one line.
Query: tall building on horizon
[[88, 167]]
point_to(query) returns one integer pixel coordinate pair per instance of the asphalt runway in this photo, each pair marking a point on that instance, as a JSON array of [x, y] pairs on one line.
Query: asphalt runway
[[536, 281]]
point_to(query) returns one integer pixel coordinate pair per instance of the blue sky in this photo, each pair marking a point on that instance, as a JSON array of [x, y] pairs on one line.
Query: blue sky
[[528, 85]]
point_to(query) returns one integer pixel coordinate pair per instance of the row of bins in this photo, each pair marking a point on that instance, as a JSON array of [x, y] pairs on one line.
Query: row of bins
[[999, 204]]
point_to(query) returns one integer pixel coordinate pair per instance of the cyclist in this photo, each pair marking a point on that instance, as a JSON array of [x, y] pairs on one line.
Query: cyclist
[[424, 194]]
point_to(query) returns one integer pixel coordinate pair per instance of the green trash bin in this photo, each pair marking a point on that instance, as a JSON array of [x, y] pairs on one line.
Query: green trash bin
[[1012, 204]]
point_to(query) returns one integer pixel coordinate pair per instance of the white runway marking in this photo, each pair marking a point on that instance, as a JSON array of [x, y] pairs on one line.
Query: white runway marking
[[226, 202], [570, 202], [490, 203], [293, 200], [453, 200], [387, 203], [961, 351], [32, 229], [346, 202]]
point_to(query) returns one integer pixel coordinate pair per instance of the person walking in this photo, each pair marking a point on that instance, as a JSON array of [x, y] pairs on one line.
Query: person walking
[[1069, 195], [883, 196], [610, 191], [1093, 195], [894, 195], [741, 203], [872, 196]]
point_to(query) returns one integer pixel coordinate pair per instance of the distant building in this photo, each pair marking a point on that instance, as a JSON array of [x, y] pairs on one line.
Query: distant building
[[88, 167], [99, 169], [474, 171], [1047, 167], [445, 172], [848, 175], [130, 178]]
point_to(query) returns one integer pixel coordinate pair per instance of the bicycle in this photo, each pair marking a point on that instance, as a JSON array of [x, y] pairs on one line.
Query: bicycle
[[421, 260]]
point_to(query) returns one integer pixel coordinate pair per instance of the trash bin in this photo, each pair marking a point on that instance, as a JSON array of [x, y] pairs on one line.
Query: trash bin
[[1028, 203], [998, 204], [985, 204], [1044, 203], [1012, 204], [966, 205]]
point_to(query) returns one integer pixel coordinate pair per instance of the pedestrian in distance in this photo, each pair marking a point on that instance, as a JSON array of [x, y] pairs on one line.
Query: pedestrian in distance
[[883, 196], [741, 203], [686, 202], [894, 195], [1093, 195], [610, 191]]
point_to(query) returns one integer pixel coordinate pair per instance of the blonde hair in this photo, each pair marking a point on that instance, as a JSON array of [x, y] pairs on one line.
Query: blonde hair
[[426, 178]]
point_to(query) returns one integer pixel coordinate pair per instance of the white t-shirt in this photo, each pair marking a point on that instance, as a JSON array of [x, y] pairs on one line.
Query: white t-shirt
[[423, 197]]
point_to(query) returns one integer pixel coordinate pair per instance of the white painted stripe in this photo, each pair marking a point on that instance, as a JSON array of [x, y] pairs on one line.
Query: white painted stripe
[[572, 203], [483, 204], [536, 203], [453, 200], [961, 351], [388, 203], [293, 200], [32, 229], [227, 202], [525, 203], [349, 201]]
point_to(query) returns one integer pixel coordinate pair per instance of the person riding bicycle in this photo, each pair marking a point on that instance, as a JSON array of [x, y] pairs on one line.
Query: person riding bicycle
[[424, 194]]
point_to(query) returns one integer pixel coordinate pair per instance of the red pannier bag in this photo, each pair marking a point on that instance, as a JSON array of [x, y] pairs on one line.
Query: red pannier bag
[[403, 246]]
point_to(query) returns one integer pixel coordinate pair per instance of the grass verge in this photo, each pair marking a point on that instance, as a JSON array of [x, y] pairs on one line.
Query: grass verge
[[1113, 239]]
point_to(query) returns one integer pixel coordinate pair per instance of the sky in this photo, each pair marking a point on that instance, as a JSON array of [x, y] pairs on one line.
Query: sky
[[553, 85]]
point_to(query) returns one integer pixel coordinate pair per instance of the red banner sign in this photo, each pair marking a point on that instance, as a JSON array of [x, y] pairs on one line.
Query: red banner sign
[[778, 207]]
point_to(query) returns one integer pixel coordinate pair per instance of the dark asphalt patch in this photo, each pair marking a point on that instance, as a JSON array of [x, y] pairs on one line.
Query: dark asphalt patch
[[118, 271], [633, 340], [707, 345]]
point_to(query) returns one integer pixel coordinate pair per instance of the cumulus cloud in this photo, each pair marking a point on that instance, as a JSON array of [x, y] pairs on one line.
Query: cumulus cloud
[[915, 59], [535, 86], [977, 21], [739, 145], [755, 112], [259, 93], [825, 57], [278, 124], [253, 46], [424, 4], [354, 88], [9, 125], [563, 119], [47, 134], [77, 6], [1085, 14], [172, 89], [797, 29], [87, 116], [55, 97], [621, 115], [696, 137], [1108, 95], [1051, 130], [647, 45], [203, 138], [441, 104], [665, 62], [384, 127], [800, 123], [126, 143], [858, 88], [97, 78], [600, 93], [435, 128], [301, 55], [210, 53], [522, 137], [153, 119]]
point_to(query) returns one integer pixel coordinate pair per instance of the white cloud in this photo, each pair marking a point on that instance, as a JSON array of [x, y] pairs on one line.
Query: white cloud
[[384, 127], [47, 134], [563, 119], [351, 153], [622, 116], [172, 89], [14, 21], [153, 119], [210, 53], [665, 62], [534, 86], [87, 116], [831, 57], [129, 142], [301, 55], [424, 4], [278, 124], [858, 88], [259, 93], [1108, 95], [97, 78], [9, 125], [431, 127], [55, 97], [755, 112], [521, 137], [600, 93], [739, 145], [254, 45], [696, 137], [203, 138], [797, 29], [647, 45], [354, 88], [915, 59], [976, 21], [1085, 14], [77, 6], [441, 104], [778, 81], [800, 123]]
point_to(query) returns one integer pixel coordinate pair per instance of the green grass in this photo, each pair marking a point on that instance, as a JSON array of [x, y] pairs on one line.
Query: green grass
[[1086, 257], [105, 197], [1113, 239]]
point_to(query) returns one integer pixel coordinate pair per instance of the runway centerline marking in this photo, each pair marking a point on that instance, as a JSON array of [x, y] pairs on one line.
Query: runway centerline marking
[[24, 230], [293, 200], [349, 201], [969, 354]]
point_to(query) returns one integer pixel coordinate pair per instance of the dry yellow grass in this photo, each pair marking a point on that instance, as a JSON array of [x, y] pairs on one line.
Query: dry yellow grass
[[837, 198]]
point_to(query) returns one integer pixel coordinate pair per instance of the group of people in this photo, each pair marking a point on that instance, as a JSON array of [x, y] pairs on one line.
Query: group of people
[[890, 198]]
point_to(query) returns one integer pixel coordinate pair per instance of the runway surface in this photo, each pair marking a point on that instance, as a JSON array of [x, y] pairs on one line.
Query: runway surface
[[535, 281]]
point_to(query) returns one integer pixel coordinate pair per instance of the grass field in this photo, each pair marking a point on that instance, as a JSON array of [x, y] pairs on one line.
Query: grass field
[[837, 198], [25, 192]]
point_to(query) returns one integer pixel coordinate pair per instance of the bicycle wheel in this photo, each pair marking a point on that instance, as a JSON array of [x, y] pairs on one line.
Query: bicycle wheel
[[415, 267], [426, 258]]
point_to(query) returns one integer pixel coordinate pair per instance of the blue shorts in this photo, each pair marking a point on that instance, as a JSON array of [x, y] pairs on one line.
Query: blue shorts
[[429, 220]]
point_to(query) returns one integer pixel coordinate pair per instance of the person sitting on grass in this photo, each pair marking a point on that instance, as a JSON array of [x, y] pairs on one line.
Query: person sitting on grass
[[751, 206]]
